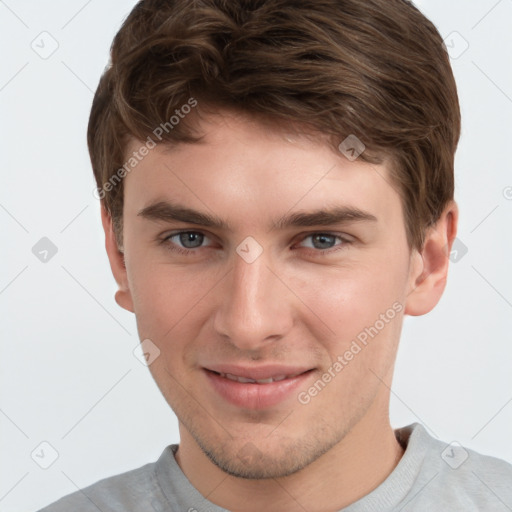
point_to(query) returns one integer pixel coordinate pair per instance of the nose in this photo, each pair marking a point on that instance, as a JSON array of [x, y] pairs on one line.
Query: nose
[[255, 306]]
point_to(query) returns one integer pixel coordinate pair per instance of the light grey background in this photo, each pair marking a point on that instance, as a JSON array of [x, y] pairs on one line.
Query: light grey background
[[69, 375]]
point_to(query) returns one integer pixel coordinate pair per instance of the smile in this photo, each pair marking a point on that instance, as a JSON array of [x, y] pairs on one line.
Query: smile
[[261, 390], [257, 381]]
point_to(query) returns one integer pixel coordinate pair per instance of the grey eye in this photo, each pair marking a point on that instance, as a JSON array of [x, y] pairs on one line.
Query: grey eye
[[190, 239]]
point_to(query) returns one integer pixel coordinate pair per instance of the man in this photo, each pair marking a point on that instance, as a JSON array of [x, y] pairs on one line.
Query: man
[[276, 180]]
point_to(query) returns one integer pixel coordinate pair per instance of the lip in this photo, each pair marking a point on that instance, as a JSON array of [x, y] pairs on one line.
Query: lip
[[255, 395], [258, 372]]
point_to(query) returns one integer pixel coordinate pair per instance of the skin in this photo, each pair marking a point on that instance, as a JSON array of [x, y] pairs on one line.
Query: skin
[[298, 303]]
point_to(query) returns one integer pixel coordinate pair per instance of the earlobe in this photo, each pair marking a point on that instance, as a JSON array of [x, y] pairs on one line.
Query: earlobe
[[117, 263], [428, 280]]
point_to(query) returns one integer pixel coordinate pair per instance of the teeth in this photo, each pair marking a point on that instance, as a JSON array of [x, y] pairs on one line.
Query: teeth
[[260, 381], [236, 378], [265, 381]]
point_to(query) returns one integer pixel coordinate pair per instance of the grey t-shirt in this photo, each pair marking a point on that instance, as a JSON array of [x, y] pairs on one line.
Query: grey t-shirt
[[431, 475]]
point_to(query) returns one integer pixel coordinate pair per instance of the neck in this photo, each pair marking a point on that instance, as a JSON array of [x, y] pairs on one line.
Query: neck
[[355, 466]]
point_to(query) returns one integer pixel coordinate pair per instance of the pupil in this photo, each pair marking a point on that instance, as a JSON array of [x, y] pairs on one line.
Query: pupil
[[322, 239], [185, 238]]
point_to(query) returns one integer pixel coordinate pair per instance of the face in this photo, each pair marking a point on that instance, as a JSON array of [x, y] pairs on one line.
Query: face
[[263, 286]]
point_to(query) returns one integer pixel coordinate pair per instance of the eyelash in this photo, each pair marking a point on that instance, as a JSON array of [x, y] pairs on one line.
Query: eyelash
[[319, 252]]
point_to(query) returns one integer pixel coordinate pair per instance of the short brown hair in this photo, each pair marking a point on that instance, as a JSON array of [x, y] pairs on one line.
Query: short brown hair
[[376, 69]]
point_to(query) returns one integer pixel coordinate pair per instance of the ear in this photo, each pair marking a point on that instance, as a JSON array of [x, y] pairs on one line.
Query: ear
[[429, 268], [117, 263]]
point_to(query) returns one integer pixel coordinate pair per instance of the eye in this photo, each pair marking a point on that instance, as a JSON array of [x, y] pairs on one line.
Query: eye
[[189, 241], [325, 243]]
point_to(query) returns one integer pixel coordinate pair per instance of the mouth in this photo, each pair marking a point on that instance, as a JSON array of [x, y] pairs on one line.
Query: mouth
[[268, 380], [257, 388]]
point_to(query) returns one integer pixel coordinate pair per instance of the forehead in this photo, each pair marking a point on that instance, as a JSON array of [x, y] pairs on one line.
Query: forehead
[[243, 165]]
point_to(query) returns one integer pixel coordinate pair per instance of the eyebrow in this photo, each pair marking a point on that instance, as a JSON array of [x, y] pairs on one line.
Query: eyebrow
[[169, 212]]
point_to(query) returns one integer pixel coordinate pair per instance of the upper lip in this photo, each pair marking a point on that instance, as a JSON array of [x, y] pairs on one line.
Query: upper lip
[[258, 372]]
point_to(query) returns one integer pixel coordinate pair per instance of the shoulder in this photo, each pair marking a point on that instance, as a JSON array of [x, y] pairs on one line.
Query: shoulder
[[453, 475], [131, 490]]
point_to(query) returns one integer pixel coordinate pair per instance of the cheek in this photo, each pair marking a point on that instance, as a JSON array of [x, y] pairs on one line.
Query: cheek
[[346, 300], [164, 310], [162, 296], [363, 311]]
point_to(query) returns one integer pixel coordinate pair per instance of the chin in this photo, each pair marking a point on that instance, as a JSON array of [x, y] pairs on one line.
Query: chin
[[268, 458]]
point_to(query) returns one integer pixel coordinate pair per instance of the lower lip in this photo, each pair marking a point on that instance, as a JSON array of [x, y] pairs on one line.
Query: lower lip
[[253, 395]]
